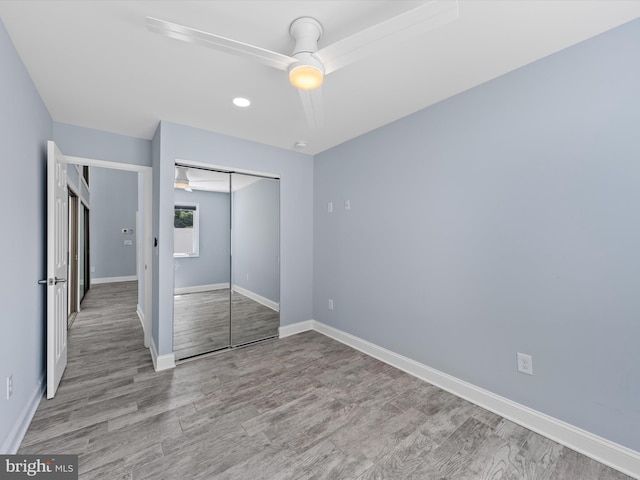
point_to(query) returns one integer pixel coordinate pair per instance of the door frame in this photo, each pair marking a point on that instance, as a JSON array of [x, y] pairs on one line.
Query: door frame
[[145, 312], [73, 273]]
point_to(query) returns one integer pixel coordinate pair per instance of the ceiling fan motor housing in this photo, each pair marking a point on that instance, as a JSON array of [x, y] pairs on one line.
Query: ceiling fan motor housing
[[307, 32]]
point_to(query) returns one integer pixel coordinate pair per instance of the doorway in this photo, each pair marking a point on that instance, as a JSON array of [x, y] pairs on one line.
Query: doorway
[[142, 235], [226, 260], [58, 226]]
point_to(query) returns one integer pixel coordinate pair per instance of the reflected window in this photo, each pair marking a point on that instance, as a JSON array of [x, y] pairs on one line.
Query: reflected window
[[185, 230]]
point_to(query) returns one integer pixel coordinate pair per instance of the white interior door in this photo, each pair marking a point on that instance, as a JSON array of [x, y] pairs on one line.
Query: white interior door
[[57, 259]]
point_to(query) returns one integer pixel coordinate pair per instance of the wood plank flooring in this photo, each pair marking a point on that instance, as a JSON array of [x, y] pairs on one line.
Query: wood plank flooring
[[298, 408], [201, 322]]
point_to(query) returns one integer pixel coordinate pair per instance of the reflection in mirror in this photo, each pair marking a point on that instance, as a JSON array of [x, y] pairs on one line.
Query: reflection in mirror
[[186, 230], [201, 300], [255, 304]]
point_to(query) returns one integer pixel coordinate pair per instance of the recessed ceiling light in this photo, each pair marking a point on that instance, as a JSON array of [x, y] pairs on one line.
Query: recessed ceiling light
[[300, 144], [241, 102]]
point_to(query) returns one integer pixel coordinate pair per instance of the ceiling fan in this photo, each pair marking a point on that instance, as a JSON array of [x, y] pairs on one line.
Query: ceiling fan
[[308, 65], [187, 184], [182, 179]]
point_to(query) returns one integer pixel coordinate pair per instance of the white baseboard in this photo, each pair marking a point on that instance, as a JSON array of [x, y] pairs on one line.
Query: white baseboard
[[161, 362], [131, 278], [16, 435], [258, 298], [140, 316], [200, 288], [145, 334], [295, 328], [602, 450]]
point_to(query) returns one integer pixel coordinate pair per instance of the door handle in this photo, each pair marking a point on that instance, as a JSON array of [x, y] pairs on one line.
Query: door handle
[[52, 281]]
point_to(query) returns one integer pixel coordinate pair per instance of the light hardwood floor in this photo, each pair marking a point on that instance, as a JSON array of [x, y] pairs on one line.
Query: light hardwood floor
[[297, 408], [205, 321]]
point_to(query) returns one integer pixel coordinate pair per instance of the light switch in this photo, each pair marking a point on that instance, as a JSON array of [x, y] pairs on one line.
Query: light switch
[[128, 242], [330, 207]]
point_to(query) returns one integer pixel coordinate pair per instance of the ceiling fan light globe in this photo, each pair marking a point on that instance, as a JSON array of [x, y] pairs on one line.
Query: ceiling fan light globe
[[306, 77]]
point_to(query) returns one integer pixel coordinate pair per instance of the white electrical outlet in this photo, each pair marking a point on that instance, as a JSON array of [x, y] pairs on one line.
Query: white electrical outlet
[[9, 386], [330, 304], [347, 205], [525, 364]]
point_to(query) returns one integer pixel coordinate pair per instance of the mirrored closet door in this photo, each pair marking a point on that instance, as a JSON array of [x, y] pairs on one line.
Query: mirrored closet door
[[226, 260], [202, 261], [255, 253]]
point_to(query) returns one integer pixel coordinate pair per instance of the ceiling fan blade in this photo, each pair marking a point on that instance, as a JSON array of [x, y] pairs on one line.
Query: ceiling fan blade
[[392, 31], [312, 104], [187, 34]]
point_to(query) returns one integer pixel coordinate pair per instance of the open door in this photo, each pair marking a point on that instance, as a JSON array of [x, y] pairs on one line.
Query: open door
[[57, 249]]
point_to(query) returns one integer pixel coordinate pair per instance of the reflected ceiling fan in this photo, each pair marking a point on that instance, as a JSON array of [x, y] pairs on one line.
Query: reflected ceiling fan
[[183, 181], [308, 65]]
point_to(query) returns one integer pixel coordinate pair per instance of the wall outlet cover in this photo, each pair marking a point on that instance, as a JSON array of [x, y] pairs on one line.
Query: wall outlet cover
[[525, 363]]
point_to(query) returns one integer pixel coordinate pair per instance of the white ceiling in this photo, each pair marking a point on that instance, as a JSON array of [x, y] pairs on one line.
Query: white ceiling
[[96, 65]]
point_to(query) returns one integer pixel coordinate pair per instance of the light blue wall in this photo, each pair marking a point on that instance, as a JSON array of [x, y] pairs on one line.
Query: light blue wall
[[502, 220], [296, 214], [25, 127], [256, 246], [212, 266], [114, 201], [85, 142]]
